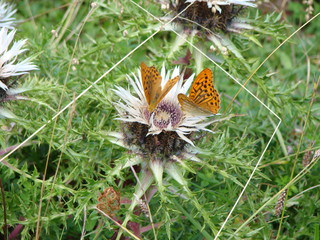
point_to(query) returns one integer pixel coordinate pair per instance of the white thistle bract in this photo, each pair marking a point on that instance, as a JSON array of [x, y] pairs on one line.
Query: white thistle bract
[[6, 12], [11, 67]]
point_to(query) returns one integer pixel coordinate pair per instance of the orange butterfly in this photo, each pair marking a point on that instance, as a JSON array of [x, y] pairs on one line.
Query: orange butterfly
[[151, 81], [203, 99]]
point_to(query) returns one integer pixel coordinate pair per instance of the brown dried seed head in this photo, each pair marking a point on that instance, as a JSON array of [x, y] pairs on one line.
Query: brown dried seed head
[[280, 203], [306, 158], [109, 201]]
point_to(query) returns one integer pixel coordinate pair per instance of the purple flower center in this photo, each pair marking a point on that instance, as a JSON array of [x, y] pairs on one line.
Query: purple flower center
[[166, 113]]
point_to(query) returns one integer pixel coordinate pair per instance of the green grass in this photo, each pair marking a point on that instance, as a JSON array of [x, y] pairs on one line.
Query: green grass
[[74, 157]]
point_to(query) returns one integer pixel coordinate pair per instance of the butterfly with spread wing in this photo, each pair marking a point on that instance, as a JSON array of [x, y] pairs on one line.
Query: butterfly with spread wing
[[203, 99]]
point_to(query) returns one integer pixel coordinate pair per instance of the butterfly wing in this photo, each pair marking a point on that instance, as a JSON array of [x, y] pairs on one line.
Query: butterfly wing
[[191, 108], [169, 85], [203, 92], [151, 82]]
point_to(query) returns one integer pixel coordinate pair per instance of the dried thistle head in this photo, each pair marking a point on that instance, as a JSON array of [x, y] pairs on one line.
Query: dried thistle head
[[109, 201], [306, 158]]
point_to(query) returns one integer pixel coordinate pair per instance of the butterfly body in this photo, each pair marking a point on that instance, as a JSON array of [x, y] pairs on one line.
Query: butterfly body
[[151, 82], [203, 99]]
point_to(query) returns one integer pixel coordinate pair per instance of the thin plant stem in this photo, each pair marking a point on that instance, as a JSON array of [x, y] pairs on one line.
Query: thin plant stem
[[83, 232], [5, 226]]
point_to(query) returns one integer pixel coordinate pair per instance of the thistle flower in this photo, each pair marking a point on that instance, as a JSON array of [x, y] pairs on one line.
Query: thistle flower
[[166, 123], [163, 136], [160, 136], [208, 15], [6, 12], [10, 68], [211, 19]]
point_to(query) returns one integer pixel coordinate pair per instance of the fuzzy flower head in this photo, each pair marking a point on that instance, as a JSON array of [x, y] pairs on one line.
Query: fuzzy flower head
[[10, 66], [162, 130], [6, 12]]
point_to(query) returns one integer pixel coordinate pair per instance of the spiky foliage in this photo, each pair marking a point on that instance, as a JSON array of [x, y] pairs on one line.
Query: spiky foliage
[[82, 162]]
